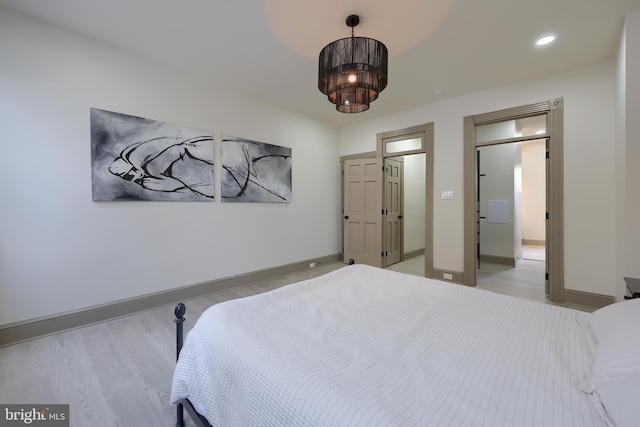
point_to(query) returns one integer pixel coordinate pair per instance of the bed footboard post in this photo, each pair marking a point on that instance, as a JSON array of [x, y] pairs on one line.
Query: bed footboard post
[[179, 312]]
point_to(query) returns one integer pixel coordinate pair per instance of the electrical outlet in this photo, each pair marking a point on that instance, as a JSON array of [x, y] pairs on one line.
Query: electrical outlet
[[312, 264], [447, 276]]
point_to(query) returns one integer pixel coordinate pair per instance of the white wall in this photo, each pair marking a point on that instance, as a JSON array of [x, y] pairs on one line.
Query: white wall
[[533, 190], [589, 166], [414, 203], [517, 203], [59, 251], [499, 165]]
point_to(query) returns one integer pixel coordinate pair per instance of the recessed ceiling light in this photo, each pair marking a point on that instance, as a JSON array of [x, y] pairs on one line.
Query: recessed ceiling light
[[545, 40], [438, 92]]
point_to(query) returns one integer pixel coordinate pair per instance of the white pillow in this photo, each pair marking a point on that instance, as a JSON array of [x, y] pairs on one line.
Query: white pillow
[[614, 383], [619, 397], [616, 329]]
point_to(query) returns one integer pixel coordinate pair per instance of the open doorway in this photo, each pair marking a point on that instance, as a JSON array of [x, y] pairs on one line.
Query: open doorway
[[500, 127], [511, 195], [415, 147], [374, 206], [405, 199]]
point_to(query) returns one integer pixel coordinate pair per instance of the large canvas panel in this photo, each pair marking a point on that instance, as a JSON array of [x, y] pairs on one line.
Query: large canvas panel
[[133, 158], [254, 171]]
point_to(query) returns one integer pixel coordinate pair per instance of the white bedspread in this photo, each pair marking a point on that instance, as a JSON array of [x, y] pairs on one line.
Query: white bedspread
[[362, 346]]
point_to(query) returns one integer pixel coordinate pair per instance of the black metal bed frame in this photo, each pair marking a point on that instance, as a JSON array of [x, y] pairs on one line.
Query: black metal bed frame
[[197, 418]]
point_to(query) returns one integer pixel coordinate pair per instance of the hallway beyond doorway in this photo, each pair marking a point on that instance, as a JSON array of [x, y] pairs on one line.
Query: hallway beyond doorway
[[534, 253]]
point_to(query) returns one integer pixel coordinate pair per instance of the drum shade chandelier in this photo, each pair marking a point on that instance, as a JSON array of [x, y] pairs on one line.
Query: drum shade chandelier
[[353, 71]]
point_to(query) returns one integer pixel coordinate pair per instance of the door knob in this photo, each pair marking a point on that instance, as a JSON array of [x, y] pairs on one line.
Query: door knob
[[346, 217]]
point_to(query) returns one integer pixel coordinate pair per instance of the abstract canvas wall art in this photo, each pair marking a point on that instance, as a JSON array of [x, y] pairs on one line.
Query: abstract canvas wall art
[[254, 171], [133, 158]]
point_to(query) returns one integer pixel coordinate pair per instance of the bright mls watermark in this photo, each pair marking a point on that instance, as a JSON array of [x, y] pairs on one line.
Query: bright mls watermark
[[34, 415]]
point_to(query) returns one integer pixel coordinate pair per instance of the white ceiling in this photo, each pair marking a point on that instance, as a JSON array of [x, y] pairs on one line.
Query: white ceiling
[[269, 48]]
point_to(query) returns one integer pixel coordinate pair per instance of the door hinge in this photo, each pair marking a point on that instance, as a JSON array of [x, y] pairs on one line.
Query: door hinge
[[546, 276], [382, 254], [546, 215], [547, 154]]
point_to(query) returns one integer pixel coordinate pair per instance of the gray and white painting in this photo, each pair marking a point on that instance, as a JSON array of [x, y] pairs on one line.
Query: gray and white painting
[[133, 158], [254, 171]]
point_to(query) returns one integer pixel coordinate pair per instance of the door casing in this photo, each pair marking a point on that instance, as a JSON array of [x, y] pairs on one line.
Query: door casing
[[425, 133], [553, 109]]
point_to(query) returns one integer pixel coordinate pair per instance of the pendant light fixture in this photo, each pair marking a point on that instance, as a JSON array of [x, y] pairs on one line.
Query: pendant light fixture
[[353, 71]]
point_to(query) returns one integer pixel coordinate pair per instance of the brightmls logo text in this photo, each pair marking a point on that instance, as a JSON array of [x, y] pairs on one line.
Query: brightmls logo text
[[34, 415]]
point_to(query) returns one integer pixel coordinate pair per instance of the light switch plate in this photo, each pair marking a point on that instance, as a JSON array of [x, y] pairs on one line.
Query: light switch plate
[[447, 195]]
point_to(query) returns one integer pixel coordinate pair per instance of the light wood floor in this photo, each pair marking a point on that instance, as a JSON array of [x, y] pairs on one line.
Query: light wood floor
[[115, 373], [118, 373], [525, 281]]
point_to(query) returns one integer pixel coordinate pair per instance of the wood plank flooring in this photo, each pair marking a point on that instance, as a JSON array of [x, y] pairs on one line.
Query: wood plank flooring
[[115, 373], [119, 372], [525, 281]]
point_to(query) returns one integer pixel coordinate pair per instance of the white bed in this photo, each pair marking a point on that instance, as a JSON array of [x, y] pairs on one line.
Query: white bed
[[362, 346]]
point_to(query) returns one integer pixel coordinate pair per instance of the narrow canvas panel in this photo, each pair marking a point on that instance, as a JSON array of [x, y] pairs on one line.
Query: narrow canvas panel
[[254, 171]]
